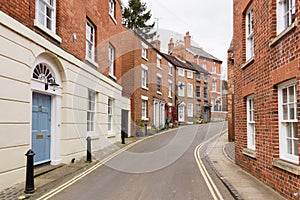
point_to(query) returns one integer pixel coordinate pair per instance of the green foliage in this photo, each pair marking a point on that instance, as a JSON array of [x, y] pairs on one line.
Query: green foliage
[[135, 18]]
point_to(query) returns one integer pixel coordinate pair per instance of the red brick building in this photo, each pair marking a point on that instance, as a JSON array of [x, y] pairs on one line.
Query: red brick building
[[192, 94], [266, 92], [149, 80], [186, 51]]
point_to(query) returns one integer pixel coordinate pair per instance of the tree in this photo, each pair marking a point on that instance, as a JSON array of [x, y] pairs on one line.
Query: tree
[[135, 18]]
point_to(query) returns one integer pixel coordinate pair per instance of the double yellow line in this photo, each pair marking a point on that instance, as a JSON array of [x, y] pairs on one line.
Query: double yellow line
[[208, 180], [85, 173]]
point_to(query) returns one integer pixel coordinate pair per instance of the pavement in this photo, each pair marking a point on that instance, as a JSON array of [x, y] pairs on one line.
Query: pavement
[[241, 184]]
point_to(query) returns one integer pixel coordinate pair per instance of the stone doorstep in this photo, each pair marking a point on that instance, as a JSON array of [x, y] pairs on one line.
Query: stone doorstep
[[46, 168]]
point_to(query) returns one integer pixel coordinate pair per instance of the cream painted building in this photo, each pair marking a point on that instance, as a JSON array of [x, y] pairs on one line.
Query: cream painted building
[[84, 103]]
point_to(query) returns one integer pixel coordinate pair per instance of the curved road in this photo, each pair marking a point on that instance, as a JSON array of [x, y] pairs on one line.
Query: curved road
[[159, 168]]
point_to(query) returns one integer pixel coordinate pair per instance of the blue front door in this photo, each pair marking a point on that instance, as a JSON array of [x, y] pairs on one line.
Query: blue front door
[[41, 127]]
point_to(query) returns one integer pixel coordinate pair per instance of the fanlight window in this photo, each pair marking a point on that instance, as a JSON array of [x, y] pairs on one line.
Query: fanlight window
[[43, 73]]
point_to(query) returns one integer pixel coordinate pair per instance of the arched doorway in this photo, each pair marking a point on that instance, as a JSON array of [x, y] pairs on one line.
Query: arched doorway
[[46, 111]]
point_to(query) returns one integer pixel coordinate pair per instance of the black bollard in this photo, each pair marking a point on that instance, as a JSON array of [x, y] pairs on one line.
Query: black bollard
[[123, 136], [89, 150], [29, 186], [146, 130]]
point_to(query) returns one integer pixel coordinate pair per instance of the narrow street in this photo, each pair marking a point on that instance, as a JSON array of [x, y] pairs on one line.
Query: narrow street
[[161, 167]]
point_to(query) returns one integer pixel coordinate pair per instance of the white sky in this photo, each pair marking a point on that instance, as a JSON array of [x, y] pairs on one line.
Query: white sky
[[208, 21]]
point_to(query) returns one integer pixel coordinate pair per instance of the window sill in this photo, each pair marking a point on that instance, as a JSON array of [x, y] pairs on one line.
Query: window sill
[[145, 58], [92, 62], [170, 97], [287, 166], [145, 88], [111, 135], [249, 152], [113, 77], [250, 61], [145, 119], [283, 33], [113, 19], [158, 92], [159, 68], [170, 74], [46, 30]]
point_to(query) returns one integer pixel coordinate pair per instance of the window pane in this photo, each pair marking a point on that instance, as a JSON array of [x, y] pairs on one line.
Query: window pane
[[295, 129], [41, 18], [88, 126], [284, 95], [292, 112], [285, 112], [296, 147], [291, 94], [289, 130], [289, 146]]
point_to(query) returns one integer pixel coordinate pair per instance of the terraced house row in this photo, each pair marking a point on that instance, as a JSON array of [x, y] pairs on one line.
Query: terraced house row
[[264, 61], [70, 70]]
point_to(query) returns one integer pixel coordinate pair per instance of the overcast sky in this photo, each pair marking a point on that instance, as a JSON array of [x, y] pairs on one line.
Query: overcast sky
[[209, 22]]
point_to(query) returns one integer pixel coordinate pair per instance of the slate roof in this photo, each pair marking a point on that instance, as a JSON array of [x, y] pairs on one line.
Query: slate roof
[[196, 51], [198, 68], [175, 61], [187, 65]]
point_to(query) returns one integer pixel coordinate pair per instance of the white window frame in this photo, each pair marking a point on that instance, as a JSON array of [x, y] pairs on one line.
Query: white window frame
[[158, 61], [180, 72], [144, 77], [249, 34], [91, 112], [288, 123], [180, 90], [90, 41], [110, 113], [189, 90], [214, 85], [111, 60], [190, 110], [286, 13], [170, 89], [144, 107], [170, 69], [189, 74], [144, 51], [159, 84], [204, 64], [41, 15], [112, 8], [250, 123]]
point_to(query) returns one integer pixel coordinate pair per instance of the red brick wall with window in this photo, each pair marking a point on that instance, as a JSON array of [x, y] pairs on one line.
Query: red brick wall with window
[[276, 60], [71, 18]]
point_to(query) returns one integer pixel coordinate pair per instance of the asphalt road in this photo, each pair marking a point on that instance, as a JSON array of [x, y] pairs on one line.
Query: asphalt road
[[159, 168]]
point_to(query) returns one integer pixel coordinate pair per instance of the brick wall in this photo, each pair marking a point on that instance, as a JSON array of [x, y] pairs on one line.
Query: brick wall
[[131, 77], [276, 59]]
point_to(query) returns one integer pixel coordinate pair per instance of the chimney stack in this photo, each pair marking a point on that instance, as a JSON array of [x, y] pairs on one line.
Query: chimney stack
[[187, 40], [156, 44], [170, 46]]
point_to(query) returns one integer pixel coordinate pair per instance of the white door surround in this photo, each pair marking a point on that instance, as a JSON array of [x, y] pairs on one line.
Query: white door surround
[[43, 69]]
